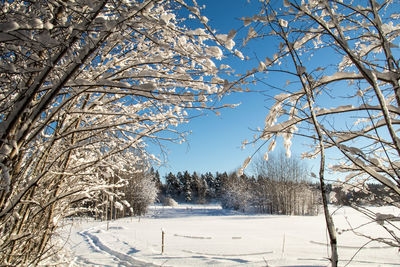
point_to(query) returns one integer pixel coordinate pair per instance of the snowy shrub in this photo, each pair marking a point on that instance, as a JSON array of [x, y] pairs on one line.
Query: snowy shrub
[[236, 193], [169, 201], [141, 192]]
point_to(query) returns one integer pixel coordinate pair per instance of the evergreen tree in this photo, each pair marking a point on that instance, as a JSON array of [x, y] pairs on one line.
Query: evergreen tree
[[179, 177], [187, 189], [195, 185], [220, 178], [210, 182], [203, 192], [199, 188], [172, 185]]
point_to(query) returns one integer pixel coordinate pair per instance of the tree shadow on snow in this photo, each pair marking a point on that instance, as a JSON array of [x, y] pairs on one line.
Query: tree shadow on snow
[[203, 257], [132, 251], [189, 212]]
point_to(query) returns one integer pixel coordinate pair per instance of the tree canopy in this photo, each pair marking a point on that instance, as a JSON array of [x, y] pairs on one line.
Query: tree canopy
[[85, 85]]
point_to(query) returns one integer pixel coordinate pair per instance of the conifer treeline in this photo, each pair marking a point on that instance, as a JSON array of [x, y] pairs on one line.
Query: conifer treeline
[[194, 188], [244, 193]]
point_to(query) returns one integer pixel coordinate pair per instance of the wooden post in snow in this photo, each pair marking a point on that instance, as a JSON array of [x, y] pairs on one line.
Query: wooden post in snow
[[162, 240]]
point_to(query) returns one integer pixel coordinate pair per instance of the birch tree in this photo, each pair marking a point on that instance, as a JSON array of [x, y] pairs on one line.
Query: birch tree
[[284, 186], [85, 85], [339, 61]]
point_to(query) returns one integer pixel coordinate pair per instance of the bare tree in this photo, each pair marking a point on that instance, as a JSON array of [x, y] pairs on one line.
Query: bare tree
[[140, 192], [237, 193], [85, 85], [342, 89], [284, 186]]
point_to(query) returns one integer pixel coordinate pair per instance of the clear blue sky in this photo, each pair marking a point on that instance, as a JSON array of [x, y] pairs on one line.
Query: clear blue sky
[[215, 142]]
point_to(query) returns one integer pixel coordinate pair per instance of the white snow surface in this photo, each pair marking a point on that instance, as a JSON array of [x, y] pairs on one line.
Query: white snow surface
[[207, 235]]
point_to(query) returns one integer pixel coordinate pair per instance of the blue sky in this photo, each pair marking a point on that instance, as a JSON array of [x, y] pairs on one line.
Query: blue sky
[[215, 142]]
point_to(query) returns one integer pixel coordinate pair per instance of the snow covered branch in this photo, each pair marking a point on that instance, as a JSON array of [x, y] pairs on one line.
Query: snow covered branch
[[86, 85]]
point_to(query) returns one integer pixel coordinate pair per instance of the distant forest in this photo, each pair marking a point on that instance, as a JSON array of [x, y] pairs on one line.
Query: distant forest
[[286, 190], [243, 193], [261, 194]]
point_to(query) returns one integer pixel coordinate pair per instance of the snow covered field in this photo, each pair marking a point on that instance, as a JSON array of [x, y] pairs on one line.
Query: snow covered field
[[198, 235]]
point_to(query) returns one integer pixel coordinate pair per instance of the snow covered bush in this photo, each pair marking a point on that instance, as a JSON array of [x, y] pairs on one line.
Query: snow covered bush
[[134, 189], [140, 192], [169, 201], [85, 85], [237, 193]]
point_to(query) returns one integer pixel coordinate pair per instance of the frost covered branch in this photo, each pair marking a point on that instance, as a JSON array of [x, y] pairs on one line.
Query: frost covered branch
[[85, 87], [349, 101]]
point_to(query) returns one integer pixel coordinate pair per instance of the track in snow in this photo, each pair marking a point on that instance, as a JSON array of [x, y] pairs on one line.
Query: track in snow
[[123, 259]]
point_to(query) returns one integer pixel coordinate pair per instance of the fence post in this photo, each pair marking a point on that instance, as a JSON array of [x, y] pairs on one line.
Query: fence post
[[162, 240]]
